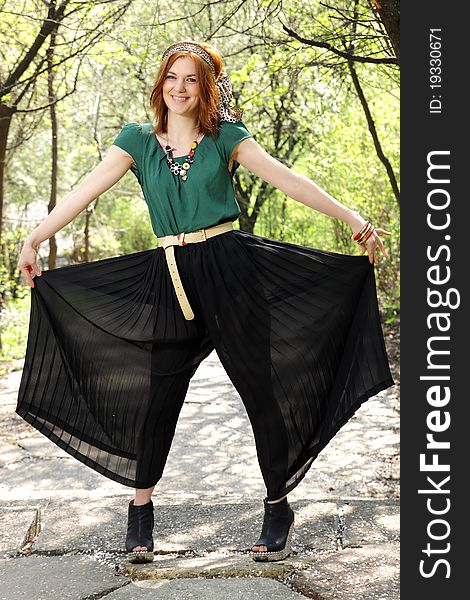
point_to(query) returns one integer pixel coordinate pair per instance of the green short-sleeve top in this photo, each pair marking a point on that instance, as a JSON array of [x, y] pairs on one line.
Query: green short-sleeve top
[[206, 198]]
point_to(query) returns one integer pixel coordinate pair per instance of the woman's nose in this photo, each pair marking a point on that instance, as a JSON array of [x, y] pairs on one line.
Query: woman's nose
[[179, 85]]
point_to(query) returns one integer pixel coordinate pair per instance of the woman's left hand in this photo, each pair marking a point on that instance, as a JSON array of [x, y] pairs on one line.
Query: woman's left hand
[[374, 241]]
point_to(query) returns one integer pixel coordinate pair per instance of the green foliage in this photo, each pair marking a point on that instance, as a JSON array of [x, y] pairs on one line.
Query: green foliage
[[322, 135], [342, 160], [128, 223], [14, 328]]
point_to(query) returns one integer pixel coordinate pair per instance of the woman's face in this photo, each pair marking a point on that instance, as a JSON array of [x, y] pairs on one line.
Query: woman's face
[[181, 87]]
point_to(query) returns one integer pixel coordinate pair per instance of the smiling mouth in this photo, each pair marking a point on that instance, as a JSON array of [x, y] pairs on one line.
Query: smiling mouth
[[179, 98]]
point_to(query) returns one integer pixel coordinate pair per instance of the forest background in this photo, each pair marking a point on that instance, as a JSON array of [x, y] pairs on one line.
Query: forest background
[[318, 82]]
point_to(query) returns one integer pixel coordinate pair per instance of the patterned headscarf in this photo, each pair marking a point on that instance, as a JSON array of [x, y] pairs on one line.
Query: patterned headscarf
[[223, 81]]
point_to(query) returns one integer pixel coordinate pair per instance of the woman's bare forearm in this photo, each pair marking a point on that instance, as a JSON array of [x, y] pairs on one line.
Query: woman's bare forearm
[[307, 192], [62, 214], [104, 176], [253, 157]]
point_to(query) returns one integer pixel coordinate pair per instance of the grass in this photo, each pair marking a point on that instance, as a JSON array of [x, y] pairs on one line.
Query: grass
[[14, 330]]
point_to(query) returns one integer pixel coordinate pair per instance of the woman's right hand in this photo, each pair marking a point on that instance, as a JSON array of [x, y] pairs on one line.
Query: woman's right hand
[[27, 263]]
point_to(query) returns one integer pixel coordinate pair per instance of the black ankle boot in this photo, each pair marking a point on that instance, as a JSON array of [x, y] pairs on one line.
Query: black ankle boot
[[140, 521], [276, 534]]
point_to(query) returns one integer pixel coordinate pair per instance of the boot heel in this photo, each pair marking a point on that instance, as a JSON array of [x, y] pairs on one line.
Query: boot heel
[[276, 533], [140, 522]]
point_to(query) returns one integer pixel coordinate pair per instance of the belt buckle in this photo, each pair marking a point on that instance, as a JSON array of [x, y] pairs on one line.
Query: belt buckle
[[181, 241], [204, 236]]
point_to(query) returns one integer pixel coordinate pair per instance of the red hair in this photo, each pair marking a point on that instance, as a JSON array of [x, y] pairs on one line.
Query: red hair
[[208, 118]]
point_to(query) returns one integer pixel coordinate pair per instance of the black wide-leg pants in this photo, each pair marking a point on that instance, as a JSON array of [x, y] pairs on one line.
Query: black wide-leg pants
[[110, 355]]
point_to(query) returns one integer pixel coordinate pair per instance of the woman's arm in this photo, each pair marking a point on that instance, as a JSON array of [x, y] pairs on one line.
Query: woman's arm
[[108, 172], [253, 157]]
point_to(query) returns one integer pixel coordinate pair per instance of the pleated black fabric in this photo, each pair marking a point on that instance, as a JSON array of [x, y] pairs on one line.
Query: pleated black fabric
[[110, 355]]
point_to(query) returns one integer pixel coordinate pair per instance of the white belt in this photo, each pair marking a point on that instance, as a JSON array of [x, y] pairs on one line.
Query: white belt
[[182, 239]]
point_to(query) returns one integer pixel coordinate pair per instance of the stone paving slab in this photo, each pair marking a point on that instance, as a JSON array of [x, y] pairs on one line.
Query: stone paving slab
[[214, 564], [41, 447], [44, 478], [16, 520], [197, 526], [363, 526], [9, 386], [100, 524], [11, 453], [367, 573], [240, 588], [57, 578]]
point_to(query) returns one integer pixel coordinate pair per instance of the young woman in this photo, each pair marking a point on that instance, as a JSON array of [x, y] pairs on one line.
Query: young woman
[[113, 343]]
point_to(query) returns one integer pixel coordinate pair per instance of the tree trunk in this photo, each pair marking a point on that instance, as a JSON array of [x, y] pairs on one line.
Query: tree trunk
[[373, 130], [54, 146], [389, 13], [6, 115]]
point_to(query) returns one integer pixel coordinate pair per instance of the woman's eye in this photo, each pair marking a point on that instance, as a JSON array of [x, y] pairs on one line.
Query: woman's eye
[[191, 80]]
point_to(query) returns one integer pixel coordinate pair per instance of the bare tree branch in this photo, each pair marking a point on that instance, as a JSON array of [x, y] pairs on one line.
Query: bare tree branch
[[370, 121], [337, 51]]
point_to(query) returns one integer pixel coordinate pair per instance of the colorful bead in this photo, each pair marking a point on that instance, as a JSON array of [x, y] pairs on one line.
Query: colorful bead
[[175, 168]]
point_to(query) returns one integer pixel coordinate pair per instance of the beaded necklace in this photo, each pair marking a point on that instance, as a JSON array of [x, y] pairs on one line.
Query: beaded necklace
[[176, 168]]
